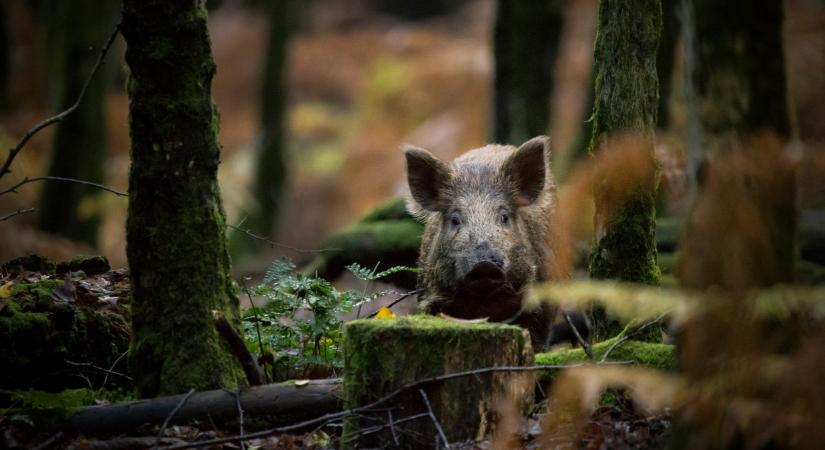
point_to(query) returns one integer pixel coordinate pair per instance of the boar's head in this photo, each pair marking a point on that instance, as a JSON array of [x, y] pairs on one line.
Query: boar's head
[[479, 248]]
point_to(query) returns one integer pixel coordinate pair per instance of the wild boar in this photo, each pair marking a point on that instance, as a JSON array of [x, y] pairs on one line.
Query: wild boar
[[488, 232]]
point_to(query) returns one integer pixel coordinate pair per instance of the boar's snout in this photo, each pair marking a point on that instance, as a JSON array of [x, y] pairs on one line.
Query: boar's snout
[[486, 270]]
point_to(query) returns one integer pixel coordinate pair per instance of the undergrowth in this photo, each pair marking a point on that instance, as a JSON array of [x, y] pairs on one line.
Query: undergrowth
[[295, 321]]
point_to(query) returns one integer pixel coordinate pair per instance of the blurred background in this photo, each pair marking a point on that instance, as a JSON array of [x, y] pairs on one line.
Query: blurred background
[[329, 90]]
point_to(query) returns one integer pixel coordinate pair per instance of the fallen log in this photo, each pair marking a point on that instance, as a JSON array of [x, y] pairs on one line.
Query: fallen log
[[275, 404]]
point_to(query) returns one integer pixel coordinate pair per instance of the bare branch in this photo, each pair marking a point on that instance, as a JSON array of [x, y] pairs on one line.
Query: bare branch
[[101, 59], [398, 300], [172, 414], [370, 406], [433, 418], [16, 213], [101, 369], [582, 342], [274, 244], [27, 180], [630, 334]]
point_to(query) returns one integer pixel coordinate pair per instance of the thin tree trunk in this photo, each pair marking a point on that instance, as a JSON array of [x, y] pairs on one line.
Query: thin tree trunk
[[270, 171], [626, 101], [525, 46], [176, 243], [77, 29], [740, 85]]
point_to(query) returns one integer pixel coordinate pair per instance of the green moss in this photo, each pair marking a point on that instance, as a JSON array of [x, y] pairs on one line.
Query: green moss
[[648, 354], [384, 354], [394, 209]]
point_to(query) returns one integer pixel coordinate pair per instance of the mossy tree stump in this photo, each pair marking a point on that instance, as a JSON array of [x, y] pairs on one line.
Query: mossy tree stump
[[383, 355]]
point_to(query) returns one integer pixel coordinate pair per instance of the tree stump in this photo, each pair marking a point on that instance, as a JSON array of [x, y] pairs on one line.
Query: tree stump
[[384, 355]]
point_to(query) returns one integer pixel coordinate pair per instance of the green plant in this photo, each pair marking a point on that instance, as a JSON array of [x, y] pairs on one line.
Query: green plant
[[300, 322]]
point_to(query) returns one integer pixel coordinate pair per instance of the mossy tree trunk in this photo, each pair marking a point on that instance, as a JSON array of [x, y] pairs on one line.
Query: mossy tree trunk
[[77, 29], [626, 101], [176, 243], [741, 90], [270, 170], [525, 45]]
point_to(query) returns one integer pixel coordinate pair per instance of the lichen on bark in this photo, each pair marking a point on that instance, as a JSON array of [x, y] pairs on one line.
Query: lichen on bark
[[176, 244]]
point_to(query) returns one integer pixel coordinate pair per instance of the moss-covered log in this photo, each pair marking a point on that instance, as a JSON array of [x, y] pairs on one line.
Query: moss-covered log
[[649, 354], [626, 101], [387, 236], [52, 331], [382, 355], [176, 242]]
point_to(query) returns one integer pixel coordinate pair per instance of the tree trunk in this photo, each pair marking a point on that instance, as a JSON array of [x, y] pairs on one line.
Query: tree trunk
[[76, 30], [626, 100], [176, 243], [270, 170], [525, 45], [740, 86], [665, 59]]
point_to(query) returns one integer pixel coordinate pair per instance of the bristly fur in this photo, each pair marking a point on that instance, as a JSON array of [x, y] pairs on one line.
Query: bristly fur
[[477, 186]]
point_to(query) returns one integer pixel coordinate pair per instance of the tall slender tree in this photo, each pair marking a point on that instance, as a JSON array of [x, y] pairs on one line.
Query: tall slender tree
[[270, 170], [626, 101], [741, 97], [176, 242], [525, 46], [79, 147]]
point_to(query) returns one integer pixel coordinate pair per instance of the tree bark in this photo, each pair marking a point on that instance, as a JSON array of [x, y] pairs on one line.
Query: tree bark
[[76, 30], [176, 243], [626, 100], [525, 45]]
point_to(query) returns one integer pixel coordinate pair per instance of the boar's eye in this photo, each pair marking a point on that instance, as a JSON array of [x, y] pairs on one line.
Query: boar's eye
[[504, 218], [455, 220]]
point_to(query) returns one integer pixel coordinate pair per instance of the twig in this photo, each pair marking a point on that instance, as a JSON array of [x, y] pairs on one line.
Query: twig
[[238, 347], [27, 180], [398, 300], [100, 369], [240, 416], [413, 385], [278, 244], [172, 414], [101, 59], [433, 418], [257, 329], [106, 378], [19, 212], [392, 428], [378, 428], [582, 342], [50, 441], [629, 335]]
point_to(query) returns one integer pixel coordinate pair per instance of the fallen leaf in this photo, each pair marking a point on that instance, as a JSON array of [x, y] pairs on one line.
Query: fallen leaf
[[456, 319], [5, 290], [384, 313]]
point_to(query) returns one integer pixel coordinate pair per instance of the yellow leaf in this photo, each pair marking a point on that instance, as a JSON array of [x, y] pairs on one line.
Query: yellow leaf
[[384, 313], [5, 290]]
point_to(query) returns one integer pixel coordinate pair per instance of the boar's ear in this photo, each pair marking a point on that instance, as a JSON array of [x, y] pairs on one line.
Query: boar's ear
[[426, 176], [527, 167]]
